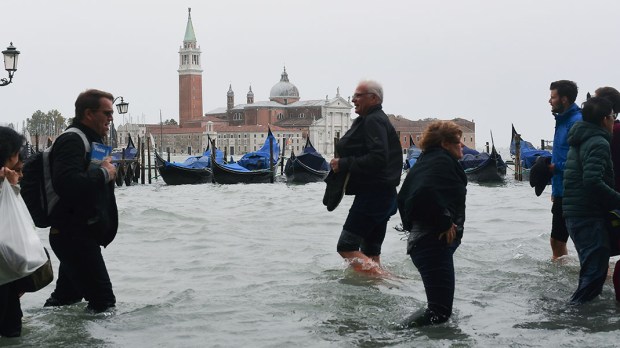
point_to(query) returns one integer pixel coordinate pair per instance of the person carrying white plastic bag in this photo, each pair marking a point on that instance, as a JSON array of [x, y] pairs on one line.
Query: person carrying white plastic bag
[[21, 250]]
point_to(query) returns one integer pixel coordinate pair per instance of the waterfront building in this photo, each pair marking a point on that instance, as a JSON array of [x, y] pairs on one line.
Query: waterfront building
[[239, 127], [322, 120], [406, 127]]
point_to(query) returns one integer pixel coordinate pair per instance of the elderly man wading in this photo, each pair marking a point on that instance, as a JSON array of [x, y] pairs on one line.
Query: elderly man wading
[[372, 155]]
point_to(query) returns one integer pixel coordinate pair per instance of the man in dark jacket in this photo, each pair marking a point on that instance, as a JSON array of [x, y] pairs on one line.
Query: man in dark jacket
[[589, 194], [86, 216], [371, 153]]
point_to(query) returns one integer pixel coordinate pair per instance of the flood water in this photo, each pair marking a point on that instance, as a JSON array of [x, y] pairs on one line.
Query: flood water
[[255, 265]]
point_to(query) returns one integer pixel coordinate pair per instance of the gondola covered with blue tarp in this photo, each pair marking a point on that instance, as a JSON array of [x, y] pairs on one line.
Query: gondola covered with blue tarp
[[194, 170], [308, 166], [483, 166], [129, 171], [528, 153], [413, 152], [252, 167]]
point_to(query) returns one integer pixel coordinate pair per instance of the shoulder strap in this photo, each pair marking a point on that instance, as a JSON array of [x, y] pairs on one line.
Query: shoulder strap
[[50, 195], [81, 134]]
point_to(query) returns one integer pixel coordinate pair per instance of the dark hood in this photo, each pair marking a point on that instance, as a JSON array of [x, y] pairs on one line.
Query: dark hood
[[582, 131]]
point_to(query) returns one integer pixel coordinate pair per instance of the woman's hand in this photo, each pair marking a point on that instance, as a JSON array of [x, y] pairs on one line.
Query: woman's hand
[[450, 234], [9, 175]]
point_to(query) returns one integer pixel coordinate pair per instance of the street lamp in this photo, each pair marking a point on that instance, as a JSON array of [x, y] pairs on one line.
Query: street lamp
[[122, 108], [10, 63]]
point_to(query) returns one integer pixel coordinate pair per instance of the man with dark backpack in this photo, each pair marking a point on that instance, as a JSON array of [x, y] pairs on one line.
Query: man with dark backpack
[[36, 185], [85, 216]]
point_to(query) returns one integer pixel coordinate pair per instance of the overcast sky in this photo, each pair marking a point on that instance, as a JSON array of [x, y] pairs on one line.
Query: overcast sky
[[490, 61]]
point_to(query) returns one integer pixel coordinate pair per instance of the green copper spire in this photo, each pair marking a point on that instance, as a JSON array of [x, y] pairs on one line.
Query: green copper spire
[[189, 30]]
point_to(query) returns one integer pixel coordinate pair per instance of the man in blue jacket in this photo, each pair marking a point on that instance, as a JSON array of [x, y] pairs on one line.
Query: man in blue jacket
[[566, 113]]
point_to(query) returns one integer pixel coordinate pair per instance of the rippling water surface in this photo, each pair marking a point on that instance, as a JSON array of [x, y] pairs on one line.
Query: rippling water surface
[[255, 265]]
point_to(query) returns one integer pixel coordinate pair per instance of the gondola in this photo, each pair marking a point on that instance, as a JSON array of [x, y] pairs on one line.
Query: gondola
[[126, 172], [413, 152], [309, 166], [194, 170], [483, 167], [252, 168], [527, 154]]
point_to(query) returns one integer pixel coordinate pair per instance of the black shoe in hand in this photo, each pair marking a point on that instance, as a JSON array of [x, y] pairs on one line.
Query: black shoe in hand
[[335, 189]]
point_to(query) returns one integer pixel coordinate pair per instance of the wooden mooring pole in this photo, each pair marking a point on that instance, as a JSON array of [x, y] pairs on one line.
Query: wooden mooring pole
[[271, 165], [282, 156], [143, 161], [518, 169], [148, 154]]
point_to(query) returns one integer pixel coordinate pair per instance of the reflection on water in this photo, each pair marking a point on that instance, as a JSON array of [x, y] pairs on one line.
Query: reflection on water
[[256, 265]]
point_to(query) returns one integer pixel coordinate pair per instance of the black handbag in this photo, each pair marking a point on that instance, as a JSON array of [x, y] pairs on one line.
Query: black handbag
[[38, 279]]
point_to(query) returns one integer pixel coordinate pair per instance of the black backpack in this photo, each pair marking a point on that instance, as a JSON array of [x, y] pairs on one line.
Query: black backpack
[[36, 185]]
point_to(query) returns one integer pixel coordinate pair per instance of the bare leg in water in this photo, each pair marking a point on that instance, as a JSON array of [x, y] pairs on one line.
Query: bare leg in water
[[558, 248], [362, 263]]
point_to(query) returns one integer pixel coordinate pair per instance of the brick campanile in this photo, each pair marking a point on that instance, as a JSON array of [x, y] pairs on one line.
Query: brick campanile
[[190, 78]]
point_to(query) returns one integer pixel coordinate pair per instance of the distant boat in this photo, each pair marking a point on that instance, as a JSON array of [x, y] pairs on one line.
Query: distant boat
[[252, 168], [130, 171], [483, 167], [413, 152], [194, 170], [528, 154], [308, 166]]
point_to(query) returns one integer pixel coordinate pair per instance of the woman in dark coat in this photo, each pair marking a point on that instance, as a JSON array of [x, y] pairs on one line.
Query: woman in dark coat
[[431, 203]]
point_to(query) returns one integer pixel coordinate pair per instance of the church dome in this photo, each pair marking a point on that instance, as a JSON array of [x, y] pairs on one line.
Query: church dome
[[284, 89]]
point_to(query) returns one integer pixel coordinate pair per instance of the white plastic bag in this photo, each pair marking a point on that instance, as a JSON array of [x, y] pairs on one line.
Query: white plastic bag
[[21, 250]]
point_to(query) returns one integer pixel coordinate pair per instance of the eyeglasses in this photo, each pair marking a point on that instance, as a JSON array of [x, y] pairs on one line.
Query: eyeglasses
[[614, 115], [108, 113], [357, 95]]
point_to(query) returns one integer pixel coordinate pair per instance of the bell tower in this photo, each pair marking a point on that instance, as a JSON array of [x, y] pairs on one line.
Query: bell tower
[[190, 78], [230, 98]]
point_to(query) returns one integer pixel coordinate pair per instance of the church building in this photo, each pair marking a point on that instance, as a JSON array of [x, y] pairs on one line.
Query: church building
[[239, 127]]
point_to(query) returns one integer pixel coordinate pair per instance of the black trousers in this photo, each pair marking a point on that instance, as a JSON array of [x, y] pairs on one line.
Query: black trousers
[[82, 272], [10, 311], [435, 263]]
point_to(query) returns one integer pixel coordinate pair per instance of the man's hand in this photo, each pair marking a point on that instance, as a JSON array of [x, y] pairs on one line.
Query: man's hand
[[107, 165], [450, 234]]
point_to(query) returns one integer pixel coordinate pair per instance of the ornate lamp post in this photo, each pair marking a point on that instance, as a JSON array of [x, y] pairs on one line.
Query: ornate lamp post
[[10, 63], [122, 108]]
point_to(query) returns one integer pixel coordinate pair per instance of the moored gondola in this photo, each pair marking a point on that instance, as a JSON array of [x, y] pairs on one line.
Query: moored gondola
[[251, 168], [309, 166], [126, 172], [194, 170], [527, 154], [413, 152], [483, 167]]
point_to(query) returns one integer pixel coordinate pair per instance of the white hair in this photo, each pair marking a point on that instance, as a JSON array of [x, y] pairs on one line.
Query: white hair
[[373, 87]]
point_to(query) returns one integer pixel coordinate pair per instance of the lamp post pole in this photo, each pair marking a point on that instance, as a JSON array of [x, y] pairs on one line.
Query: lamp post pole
[[10, 63]]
